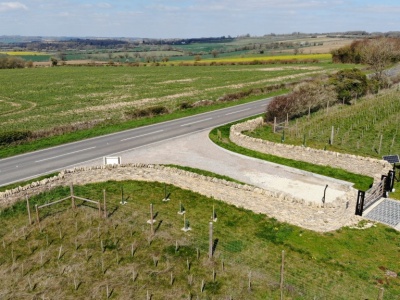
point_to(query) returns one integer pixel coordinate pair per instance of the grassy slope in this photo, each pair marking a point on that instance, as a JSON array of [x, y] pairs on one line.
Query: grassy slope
[[317, 265]]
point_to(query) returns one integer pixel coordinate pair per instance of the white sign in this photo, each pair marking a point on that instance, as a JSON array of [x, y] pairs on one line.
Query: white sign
[[112, 160]]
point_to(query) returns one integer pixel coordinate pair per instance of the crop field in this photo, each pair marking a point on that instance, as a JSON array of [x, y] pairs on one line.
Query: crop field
[[23, 53], [45, 98], [74, 253], [320, 57]]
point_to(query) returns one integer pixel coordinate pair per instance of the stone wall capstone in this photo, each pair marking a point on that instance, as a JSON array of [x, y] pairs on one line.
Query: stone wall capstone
[[281, 206]]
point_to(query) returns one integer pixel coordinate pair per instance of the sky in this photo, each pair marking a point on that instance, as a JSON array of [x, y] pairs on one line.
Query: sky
[[194, 18]]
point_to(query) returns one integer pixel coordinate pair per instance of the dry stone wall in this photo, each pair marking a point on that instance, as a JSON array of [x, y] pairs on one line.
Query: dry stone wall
[[352, 163], [281, 206]]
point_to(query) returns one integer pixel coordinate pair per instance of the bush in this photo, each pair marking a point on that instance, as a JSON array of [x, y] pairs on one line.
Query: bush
[[10, 137], [185, 105], [10, 62], [306, 97], [147, 112], [349, 84]]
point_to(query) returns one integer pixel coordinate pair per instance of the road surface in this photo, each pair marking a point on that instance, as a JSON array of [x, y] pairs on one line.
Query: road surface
[[34, 164]]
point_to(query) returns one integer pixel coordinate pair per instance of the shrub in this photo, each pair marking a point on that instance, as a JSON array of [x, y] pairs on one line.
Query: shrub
[[349, 84], [306, 97], [8, 62], [10, 137], [146, 112]]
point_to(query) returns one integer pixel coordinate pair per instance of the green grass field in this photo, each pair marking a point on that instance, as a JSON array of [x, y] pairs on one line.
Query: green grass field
[[52, 100], [43, 98], [74, 253]]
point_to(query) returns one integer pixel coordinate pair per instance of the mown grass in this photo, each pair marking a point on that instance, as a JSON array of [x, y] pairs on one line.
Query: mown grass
[[220, 136], [248, 248]]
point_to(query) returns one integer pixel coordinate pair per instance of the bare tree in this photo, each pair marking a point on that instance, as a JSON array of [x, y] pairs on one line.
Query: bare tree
[[378, 53], [214, 53]]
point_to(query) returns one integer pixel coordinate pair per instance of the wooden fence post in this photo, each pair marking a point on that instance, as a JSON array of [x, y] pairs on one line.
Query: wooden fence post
[[37, 214], [99, 206], [29, 210], [282, 273], [104, 202], [210, 245], [151, 219], [380, 296], [71, 188], [274, 124]]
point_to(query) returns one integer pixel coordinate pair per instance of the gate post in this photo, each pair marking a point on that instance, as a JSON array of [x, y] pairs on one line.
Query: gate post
[[391, 176], [360, 203]]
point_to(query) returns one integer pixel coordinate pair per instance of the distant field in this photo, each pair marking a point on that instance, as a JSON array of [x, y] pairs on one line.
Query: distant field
[[43, 98], [23, 53], [322, 57]]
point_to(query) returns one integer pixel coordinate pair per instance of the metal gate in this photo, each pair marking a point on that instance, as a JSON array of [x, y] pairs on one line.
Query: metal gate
[[367, 198]]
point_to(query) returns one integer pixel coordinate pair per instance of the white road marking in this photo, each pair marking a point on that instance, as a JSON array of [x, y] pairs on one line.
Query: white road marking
[[65, 154], [238, 111], [138, 136], [187, 124]]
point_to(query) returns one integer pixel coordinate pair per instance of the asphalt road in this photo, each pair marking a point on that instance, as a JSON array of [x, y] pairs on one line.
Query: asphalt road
[[34, 164]]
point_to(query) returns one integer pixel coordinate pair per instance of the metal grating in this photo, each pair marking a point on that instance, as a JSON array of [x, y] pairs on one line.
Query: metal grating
[[387, 212]]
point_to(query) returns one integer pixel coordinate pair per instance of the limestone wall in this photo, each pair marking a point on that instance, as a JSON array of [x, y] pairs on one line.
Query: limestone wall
[[281, 206], [352, 163]]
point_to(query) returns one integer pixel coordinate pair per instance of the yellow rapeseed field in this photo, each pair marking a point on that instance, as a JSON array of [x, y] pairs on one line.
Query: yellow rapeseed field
[[23, 53]]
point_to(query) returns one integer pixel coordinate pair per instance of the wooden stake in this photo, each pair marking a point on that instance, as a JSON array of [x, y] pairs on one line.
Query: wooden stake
[[249, 284], [99, 206], [29, 210], [380, 144], [332, 135], [104, 204], [380, 295], [59, 252], [282, 273], [210, 242], [37, 214], [71, 188], [151, 220]]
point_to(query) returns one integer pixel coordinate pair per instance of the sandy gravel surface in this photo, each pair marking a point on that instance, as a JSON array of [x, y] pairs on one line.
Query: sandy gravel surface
[[198, 151]]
